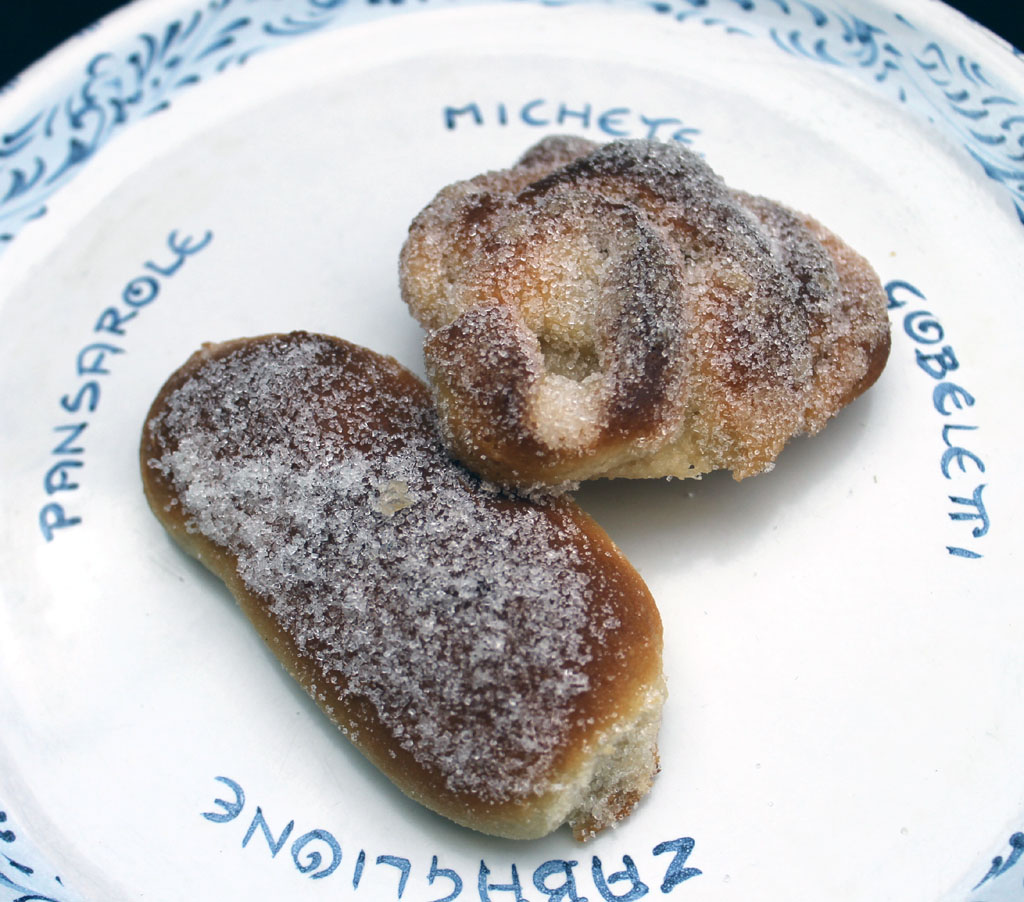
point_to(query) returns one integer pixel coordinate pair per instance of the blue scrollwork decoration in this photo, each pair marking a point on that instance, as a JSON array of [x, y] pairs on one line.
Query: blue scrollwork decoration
[[989, 121], [52, 143], [932, 81], [1013, 862], [22, 877], [124, 84]]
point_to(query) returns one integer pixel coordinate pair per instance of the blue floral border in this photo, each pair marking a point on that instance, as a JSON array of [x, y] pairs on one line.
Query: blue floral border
[[22, 877], [1005, 873], [933, 80]]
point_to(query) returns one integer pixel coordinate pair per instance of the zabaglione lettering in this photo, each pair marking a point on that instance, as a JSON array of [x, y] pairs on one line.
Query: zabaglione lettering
[[93, 364], [318, 854]]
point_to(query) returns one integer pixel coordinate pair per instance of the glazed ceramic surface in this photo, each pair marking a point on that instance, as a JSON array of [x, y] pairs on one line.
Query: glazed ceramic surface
[[843, 634]]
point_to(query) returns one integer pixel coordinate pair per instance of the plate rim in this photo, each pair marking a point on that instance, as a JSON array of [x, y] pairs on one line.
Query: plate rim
[[62, 73]]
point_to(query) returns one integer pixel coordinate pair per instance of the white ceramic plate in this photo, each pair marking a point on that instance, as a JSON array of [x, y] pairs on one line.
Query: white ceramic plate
[[844, 634]]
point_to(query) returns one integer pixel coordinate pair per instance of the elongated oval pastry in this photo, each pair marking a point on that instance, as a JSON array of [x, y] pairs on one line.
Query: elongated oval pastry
[[617, 310], [497, 658]]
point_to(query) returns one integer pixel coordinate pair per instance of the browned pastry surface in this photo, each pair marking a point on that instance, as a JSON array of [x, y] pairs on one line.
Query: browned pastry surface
[[497, 658], [617, 310]]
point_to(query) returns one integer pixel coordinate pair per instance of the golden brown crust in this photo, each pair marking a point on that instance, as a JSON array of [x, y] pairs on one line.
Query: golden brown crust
[[617, 310], [249, 433]]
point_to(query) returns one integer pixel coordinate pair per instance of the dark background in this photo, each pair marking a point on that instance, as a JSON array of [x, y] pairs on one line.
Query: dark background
[[28, 28]]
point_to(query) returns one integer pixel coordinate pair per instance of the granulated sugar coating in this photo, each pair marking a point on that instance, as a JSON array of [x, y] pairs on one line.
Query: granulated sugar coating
[[469, 622], [617, 310]]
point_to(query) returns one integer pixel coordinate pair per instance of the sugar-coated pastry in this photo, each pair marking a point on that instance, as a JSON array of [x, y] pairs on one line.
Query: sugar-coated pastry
[[617, 310], [497, 658]]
